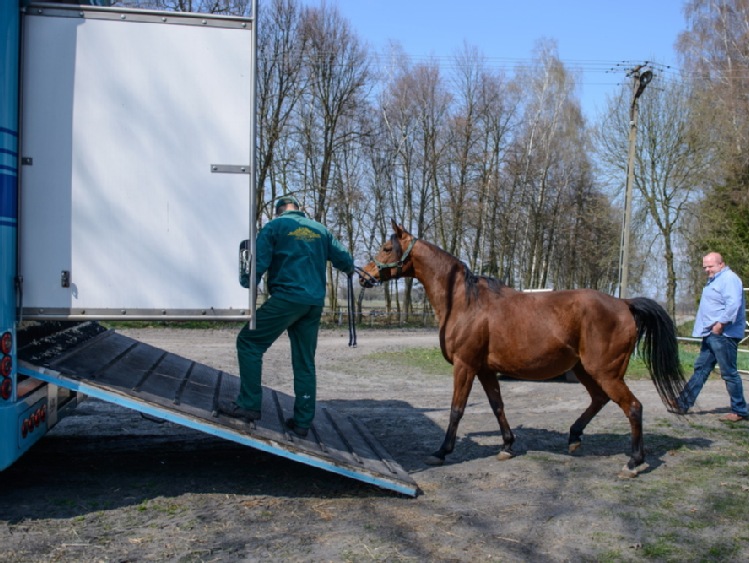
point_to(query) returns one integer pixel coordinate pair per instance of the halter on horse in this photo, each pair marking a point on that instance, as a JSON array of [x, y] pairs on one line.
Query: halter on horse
[[488, 328]]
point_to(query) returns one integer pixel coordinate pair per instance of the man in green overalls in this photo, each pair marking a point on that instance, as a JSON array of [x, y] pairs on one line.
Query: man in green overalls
[[294, 250]]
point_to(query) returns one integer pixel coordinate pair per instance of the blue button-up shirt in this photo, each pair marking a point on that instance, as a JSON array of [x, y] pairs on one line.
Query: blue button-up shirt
[[722, 302]]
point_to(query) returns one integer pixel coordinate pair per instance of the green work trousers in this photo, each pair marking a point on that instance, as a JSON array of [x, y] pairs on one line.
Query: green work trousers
[[271, 319]]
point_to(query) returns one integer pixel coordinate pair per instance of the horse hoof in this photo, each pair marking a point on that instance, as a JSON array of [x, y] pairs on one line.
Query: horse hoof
[[433, 460], [574, 446], [504, 455], [627, 473]]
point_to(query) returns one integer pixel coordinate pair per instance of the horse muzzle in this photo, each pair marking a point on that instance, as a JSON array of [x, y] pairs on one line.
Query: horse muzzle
[[367, 280]]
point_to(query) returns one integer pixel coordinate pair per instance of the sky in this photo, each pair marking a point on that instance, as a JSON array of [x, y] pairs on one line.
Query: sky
[[600, 39]]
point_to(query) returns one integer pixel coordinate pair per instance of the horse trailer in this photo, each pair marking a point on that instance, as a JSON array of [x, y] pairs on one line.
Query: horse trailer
[[127, 146]]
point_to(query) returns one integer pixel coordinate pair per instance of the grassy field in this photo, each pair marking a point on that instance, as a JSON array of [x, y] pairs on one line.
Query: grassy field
[[431, 361]]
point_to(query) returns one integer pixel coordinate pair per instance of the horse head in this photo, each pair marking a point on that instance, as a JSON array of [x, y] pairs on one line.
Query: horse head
[[393, 260]]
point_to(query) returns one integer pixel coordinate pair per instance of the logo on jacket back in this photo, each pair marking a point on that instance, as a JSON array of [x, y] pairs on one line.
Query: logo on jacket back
[[304, 233]]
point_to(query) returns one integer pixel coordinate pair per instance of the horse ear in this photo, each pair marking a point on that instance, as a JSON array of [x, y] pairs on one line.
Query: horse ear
[[397, 229]]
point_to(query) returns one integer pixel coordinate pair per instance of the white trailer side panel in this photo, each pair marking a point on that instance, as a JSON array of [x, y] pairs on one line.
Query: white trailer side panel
[[122, 121]]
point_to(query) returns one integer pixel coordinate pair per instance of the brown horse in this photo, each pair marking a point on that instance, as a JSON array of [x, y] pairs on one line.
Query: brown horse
[[488, 328]]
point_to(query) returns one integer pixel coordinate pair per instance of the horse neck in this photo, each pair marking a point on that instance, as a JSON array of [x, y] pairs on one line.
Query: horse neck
[[438, 271]]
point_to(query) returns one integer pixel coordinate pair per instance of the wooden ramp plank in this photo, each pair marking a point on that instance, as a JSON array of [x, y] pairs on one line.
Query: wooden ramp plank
[[112, 367]]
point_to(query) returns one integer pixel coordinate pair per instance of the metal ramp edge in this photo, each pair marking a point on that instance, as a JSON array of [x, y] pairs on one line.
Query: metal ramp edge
[[101, 363]]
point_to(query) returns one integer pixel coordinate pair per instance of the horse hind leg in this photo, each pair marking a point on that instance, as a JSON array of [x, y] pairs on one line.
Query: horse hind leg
[[462, 383], [598, 400], [636, 463], [490, 383], [618, 391]]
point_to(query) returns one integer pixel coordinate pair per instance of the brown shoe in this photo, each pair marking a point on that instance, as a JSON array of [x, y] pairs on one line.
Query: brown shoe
[[295, 428], [230, 408], [733, 417]]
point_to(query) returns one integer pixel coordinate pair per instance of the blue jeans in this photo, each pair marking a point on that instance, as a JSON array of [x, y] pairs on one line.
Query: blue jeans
[[721, 350]]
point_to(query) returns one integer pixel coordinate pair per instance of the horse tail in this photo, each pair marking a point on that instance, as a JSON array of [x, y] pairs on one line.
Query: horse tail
[[656, 340]]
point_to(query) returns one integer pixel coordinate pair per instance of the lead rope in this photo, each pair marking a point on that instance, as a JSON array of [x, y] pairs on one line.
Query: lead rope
[[351, 320]]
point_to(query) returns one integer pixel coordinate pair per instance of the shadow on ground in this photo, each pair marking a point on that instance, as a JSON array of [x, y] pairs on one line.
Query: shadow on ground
[[71, 474]]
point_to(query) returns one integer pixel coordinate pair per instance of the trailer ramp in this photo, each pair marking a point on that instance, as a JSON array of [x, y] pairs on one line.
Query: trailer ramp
[[101, 363]]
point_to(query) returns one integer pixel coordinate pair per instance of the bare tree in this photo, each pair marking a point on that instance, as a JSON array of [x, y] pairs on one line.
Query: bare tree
[[413, 108], [498, 105], [714, 49], [347, 194], [338, 83], [464, 154], [716, 60], [280, 58], [671, 166], [588, 250], [548, 149]]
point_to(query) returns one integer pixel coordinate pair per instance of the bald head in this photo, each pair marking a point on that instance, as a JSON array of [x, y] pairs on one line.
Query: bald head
[[712, 263]]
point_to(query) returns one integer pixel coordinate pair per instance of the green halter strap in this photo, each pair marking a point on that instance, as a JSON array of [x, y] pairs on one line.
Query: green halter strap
[[399, 264]]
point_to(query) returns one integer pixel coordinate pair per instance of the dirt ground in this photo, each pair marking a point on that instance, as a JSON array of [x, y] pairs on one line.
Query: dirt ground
[[109, 485]]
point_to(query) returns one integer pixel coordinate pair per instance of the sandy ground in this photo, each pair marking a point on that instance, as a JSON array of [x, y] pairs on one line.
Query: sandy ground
[[109, 485]]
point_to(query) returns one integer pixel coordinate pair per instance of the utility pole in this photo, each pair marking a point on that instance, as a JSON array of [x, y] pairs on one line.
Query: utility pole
[[639, 82]]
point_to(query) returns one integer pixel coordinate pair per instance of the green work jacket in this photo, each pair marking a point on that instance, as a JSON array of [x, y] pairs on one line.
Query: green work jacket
[[294, 250]]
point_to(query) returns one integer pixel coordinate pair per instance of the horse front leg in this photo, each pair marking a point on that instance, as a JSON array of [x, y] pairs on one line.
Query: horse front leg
[[462, 383], [490, 383]]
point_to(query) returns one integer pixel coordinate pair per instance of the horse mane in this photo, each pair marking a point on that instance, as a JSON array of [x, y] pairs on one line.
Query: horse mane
[[472, 282]]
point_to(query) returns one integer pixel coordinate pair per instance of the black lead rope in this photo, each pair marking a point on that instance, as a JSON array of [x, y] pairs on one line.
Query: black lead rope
[[370, 279], [351, 320]]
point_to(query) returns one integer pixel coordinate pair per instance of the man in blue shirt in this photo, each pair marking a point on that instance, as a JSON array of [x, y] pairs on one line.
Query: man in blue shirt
[[720, 322], [294, 250]]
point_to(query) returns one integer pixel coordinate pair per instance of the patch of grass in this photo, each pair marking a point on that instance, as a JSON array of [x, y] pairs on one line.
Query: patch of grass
[[610, 556], [727, 504], [678, 514], [428, 360], [161, 505], [687, 354], [713, 460], [661, 548], [722, 551]]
